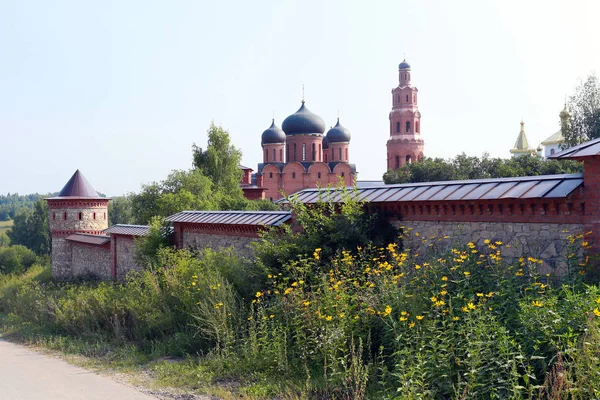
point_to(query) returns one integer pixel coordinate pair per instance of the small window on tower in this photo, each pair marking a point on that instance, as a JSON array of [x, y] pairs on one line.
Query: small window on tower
[[342, 174], [340, 154], [407, 98], [407, 126], [80, 216], [270, 175], [398, 99], [274, 155], [318, 175], [94, 215], [65, 216], [280, 155], [398, 127], [303, 151], [293, 175], [314, 152], [397, 162], [294, 151]]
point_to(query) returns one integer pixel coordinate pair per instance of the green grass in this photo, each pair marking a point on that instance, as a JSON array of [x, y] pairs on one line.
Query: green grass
[[5, 226]]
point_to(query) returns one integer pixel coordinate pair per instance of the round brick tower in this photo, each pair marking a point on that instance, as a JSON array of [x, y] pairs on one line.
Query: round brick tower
[[405, 144], [78, 209]]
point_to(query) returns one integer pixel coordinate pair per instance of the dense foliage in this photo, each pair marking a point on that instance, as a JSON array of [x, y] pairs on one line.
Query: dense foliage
[[13, 204], [466, 167], [31, 229], [359, 320], [16, 259], [214, 184], [584, 106]]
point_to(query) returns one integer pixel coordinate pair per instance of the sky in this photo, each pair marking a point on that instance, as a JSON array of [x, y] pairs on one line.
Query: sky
[[122, 89]]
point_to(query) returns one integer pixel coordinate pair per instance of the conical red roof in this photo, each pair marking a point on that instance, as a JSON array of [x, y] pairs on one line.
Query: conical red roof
[[78, 186]]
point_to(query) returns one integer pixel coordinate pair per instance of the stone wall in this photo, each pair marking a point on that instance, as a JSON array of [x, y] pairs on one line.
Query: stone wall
[[61, 258], [200, 240], [125, 255], [90, 260], [541, 240]]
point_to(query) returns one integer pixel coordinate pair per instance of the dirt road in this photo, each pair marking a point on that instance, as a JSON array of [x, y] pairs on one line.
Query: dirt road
[[28, 375]]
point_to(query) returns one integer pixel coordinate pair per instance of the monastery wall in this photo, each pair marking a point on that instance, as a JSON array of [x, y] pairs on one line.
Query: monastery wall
[[197, 240], [61, 258], [546, 241], [88, 260], [123, 254]]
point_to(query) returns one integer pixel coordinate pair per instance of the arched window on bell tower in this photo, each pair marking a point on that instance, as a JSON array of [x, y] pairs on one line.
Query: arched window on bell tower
[[397, 127], [397, 163], [407, 126], [408, 159]]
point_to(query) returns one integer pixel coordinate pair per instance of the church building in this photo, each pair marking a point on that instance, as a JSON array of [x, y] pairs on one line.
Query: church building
[[299, 155]]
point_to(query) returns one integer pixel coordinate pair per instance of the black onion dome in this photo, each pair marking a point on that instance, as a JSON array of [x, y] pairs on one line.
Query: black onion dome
[[325, 143], [303, 122], [404, 65], [338, 134], [273, 134]]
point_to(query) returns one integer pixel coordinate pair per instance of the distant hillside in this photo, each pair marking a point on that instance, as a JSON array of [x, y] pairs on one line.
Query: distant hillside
[[12, 204]]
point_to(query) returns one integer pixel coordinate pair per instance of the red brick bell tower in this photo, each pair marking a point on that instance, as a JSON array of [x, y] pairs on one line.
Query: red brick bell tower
[[405, 144]]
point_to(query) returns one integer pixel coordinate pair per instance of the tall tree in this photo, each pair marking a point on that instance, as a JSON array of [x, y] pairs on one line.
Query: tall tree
[[220, 161], [31, 229], [120, 211], [584, 106]]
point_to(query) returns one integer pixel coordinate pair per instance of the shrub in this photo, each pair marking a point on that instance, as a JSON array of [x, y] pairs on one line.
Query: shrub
[[16, 259]]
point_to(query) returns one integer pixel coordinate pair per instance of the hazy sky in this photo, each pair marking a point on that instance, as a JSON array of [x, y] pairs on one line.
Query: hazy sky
[[121, 89]]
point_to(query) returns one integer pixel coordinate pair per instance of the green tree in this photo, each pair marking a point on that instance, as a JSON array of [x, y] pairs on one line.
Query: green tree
[[148, 246], [220, 161], [584, 106], [182, 190], [31, 229], [16, 259], [120, 211]]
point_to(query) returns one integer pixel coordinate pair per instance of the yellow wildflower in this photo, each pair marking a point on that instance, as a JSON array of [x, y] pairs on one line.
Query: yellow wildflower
[[411, 325], [403, 318], [467, 273], [420, 317], [328, 318], [596, 312], [444, 278], [470, 306]]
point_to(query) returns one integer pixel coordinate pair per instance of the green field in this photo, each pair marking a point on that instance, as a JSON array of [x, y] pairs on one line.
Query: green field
[[5, 225]]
